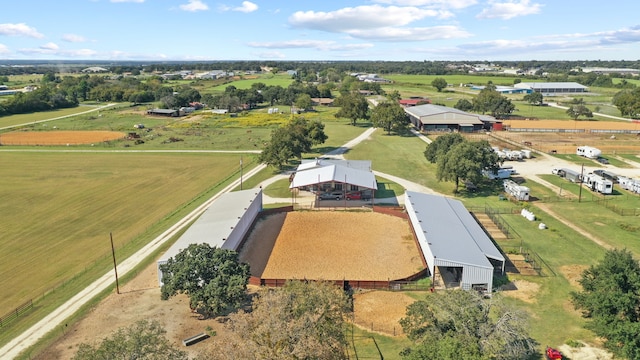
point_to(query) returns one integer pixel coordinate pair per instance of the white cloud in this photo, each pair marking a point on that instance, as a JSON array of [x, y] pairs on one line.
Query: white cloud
[[441, 4], [4, 49], [361, 18], [271, 55], [510, 9], [50, 46], [411, 34], [194, 5], [20, 29], [247, 7], [73, 38], [322, 45], [127, 1]]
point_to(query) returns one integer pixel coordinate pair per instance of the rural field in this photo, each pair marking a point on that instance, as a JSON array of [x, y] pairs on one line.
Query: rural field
[[60, 207]]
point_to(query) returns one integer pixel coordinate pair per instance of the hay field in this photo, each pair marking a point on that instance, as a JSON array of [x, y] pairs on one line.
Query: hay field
[[59, 137], [58, 209], [329, 245]]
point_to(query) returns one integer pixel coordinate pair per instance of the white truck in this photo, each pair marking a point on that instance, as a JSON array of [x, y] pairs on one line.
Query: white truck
[[588, 152]]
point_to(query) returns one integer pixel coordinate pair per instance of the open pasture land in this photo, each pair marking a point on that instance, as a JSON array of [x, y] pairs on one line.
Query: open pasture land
[[58, 209], [329, 245], [39, 116], [283, 80], [58, 137]]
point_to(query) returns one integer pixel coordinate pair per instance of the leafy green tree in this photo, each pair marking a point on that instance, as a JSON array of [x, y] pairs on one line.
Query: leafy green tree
[[390, 116], [394, 95], [353, 106], [609, 299], [460, 324], [465, 161], [302, 320], [303, 101], [214, 279], [292, 140], [628, 102], [439, 83], [144, 340], [534, 98], [489, 100], [575, 111], [441, 145], [464, 105]]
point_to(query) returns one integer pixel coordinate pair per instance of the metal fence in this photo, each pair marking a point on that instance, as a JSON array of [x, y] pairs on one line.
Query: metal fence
[[14, 314]]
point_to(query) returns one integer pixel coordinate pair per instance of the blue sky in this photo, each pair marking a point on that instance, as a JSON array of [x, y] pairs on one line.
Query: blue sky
[[402, 30]]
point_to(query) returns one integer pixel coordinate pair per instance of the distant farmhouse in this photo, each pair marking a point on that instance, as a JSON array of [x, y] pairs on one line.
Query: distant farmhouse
[[94, 69], [214, 74], [553, 88], [372, 78], [441, 118], [414, 101]]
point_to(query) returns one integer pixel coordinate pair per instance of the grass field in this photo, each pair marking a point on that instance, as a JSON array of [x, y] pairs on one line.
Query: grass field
[[44, 115], [59, 208]]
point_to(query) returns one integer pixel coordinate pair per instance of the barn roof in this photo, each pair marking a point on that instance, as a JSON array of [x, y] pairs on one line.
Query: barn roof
[[437, 114], [216, 223], [452, 233], [320, 171]]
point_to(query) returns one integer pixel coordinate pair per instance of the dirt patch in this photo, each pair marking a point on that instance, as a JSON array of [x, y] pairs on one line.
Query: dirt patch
[[586, 352], [59, 137], [573, 273], [328, 245], [524, 290], [381, 311], [517, 264]]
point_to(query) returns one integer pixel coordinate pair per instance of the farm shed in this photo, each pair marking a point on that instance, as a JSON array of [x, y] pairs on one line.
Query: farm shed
[[349, 175], [430, 117], [451, 240], [164, 112], [224, 224], [551, 88]]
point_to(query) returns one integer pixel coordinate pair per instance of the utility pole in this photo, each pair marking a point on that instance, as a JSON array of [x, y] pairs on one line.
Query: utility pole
[[115, 268], [580, 183], [240, 172]]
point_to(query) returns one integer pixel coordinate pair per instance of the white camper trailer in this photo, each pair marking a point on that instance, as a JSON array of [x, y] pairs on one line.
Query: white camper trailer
[[589, 152], [598, 183], [519, 192]]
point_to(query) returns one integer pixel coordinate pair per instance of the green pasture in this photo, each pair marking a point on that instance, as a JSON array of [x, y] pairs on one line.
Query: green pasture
[[268, 79], [39, 116], [59, 208], [455, 80]]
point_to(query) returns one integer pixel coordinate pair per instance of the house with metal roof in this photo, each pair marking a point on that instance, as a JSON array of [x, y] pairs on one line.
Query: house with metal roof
[[457, 250], [552, 88], [322, 175], [431, 117], [224, 224]]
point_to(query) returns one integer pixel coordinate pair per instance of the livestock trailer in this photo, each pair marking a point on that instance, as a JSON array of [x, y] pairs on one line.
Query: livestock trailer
[[570, 175], [589, 152]]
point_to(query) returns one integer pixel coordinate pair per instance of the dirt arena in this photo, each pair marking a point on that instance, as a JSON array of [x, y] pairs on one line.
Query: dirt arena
[[59, 137], [327, 245], [566, 142]]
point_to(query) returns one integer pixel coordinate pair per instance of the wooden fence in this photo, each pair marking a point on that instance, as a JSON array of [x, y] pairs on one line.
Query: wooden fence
[[14, 314]]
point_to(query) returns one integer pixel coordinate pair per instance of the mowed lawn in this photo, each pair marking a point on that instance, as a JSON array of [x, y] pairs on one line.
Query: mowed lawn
[[57, 209]]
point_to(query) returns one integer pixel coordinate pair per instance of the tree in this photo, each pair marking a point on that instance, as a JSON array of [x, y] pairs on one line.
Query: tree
[[390, 116], [303, 101], [628, 102], [460, 324], [575, 111], [144, 340], [214, 279], [609, 299], [465, 161], [439, 83], [353, 106], [534, 98], [464, 105], [489, 100], [302, 320], [441, 145], [292, 140]]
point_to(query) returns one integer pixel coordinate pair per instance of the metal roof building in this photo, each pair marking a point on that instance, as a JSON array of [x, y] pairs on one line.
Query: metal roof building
[[353, 172], [453, 242], [224, 224], [551, 88], [435, 117]]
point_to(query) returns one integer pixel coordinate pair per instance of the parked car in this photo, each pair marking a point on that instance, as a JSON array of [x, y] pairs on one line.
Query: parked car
[[333, 195], [354, 195], [602, 160]]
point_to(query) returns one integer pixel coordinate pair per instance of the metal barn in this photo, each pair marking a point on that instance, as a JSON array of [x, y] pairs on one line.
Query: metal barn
[[454, 245], [224, 224]]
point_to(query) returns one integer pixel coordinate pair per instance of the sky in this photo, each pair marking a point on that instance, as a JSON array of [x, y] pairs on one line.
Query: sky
[[332, 30]]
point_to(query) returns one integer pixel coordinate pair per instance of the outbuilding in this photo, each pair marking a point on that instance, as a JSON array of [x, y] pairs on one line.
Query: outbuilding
[[431, 118], [455, 247], [224, 224]]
